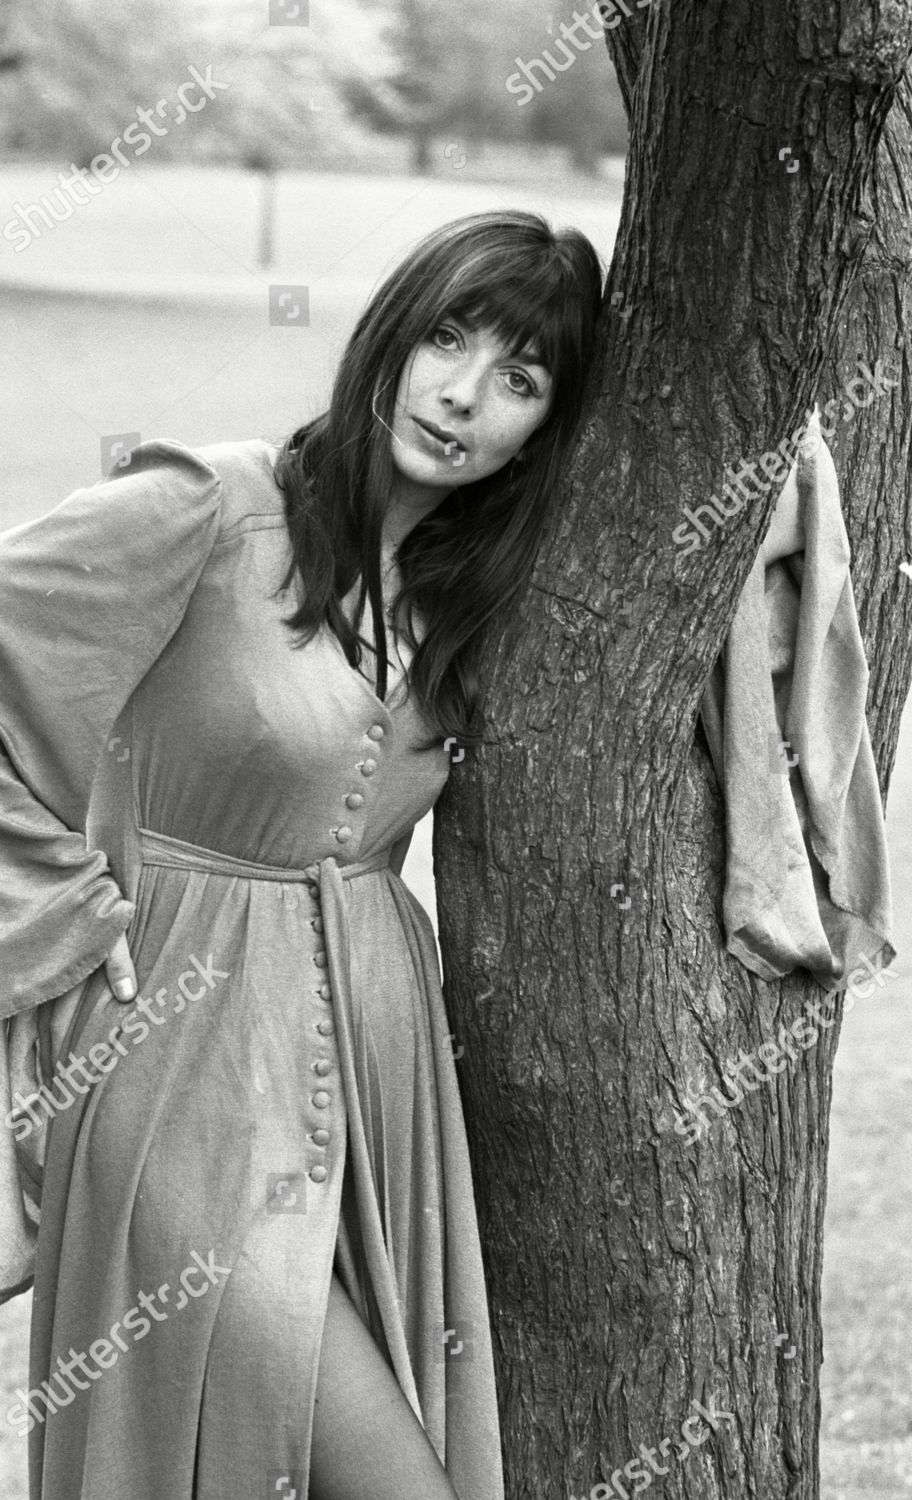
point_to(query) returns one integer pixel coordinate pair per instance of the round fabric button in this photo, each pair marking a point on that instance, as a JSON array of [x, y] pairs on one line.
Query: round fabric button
[[317, 924], [325, 1028], [320, 1099], [318, 1174], [313, 889], [322, 1066], [320, 959], [320, 1137], [354, 799], [343, 834], [368, 767], [324, 992], [376, 732]]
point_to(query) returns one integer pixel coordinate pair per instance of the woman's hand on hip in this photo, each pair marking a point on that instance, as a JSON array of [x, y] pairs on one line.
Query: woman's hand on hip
[[55, 1016], [120, 972]]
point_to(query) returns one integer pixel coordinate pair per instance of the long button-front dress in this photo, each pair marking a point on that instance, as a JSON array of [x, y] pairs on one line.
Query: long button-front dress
[[281, 1099]]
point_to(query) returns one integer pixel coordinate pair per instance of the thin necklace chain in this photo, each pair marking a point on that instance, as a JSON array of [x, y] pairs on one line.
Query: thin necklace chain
[[387, 574]]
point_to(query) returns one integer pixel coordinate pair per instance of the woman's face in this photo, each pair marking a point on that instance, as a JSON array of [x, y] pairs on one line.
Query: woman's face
[[464, 408]]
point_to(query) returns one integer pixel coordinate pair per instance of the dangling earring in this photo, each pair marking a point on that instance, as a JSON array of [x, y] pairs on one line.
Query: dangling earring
[[380, 419]]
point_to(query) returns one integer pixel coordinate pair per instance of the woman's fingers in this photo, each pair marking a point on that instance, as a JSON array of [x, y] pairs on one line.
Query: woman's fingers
[[120, 971]]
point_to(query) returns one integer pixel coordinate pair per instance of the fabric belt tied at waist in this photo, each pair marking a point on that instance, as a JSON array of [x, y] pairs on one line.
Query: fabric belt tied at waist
[[327, 874], [177, 854]]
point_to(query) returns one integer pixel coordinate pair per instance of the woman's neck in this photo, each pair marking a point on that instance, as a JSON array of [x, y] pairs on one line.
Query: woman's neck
[[410, 504]]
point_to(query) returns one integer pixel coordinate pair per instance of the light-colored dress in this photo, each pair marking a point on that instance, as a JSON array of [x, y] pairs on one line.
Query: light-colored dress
[[285, 1099]]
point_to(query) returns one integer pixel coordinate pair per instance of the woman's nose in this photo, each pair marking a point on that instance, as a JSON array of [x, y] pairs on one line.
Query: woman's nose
[[462, 389]]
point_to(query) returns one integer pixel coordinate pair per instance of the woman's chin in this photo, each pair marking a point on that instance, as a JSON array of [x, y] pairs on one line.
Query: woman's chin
[[444, 472], [422, 472]]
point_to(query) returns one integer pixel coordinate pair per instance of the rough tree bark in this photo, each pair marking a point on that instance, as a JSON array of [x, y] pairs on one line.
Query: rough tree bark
[[630, 1273]]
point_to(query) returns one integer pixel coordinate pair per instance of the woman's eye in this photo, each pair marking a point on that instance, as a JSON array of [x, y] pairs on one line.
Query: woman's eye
[[444, 333], [526, 388]]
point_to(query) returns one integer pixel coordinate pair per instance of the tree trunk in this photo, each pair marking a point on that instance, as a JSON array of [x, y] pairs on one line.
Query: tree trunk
[[266, 219], [631, 1274], [584, 156], [421, 152]]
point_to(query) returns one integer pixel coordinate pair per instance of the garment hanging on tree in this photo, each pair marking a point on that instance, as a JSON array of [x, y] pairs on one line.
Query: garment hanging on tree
[[807, 879]]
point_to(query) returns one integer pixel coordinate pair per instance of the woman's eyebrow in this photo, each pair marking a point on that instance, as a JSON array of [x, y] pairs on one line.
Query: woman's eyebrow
[[530, 356]]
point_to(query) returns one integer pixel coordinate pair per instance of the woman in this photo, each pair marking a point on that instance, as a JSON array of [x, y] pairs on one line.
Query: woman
[[258, 1268]]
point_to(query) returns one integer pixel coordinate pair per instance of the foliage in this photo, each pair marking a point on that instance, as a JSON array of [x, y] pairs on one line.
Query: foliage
[[73, 76], [80, 75]]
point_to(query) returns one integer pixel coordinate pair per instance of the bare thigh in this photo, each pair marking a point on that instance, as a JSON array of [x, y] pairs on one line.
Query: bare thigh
[[367, 1443]]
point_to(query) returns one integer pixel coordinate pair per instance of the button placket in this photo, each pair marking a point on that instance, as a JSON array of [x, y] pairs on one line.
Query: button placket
[[354, 799], [323, 1064]]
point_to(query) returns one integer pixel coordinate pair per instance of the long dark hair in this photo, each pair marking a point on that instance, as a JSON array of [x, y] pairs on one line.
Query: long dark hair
[[465, 562]]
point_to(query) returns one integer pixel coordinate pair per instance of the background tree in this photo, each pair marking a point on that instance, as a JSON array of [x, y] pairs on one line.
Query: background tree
[[630, 1273], [581, 108], [450, 79], [78, 82], [421, 96], [64, 58]]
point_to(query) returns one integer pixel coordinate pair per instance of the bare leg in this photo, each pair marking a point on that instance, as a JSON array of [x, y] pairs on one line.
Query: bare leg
[[367, 1443]]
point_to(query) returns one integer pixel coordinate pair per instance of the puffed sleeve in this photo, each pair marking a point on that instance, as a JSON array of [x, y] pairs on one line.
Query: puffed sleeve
[[90, 595]]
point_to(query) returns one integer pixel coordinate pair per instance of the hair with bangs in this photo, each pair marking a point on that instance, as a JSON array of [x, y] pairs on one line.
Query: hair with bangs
[[466, 561]]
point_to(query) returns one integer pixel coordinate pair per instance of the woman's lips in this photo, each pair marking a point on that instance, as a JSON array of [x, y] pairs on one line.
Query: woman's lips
[[443, 441]]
